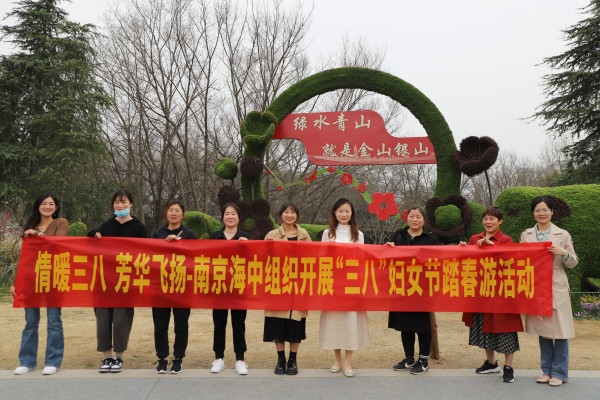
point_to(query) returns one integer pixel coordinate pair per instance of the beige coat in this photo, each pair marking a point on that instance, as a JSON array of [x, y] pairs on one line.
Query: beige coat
[[279, 234], [560, 324]]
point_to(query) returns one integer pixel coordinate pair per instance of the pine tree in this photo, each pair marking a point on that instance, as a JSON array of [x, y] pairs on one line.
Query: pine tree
[[50, 103], [573, 96]]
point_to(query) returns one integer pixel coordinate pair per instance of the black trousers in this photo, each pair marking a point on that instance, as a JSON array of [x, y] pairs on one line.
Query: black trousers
[[161, 318], [238, 323], [408, 342], [113, 326]]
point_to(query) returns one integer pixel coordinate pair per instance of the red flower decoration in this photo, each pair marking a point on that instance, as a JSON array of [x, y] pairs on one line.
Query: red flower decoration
[[362, 187], [331, 170], [347, 179], [383, 205], [279, 188], [404, 215], [307, 180], [313, 176], [268, 172]]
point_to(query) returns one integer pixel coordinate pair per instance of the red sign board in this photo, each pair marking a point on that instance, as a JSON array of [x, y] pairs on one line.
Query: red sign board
[[353, 138]]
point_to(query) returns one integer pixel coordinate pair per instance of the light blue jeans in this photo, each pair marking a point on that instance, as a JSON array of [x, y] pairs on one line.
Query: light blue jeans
[[555, 357], [55, 344]]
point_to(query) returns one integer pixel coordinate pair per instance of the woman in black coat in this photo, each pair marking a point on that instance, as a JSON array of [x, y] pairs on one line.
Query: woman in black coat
[[411, 324]]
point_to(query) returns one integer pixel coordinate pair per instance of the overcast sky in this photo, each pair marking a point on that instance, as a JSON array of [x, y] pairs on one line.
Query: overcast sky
[[477, 60]]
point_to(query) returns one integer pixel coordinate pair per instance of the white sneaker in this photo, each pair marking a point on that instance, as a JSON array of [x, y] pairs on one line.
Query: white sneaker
[[241, 367], [49, 370], [22, 370], [217, 366]]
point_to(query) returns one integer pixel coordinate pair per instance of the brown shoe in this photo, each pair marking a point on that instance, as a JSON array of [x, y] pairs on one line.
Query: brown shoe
[[555, 382]]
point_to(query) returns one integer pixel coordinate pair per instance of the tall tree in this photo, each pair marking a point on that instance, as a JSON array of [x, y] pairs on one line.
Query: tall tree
[[572, 107], [50, 104]]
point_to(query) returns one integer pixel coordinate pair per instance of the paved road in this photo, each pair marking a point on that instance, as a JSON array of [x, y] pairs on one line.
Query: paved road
[[309, 384]]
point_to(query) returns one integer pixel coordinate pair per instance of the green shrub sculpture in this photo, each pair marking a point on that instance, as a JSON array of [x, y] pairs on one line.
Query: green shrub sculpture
[[201, 223]]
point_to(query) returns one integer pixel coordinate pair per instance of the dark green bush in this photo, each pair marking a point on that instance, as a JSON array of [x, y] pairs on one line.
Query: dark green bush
[[201, 223], [78, 229]]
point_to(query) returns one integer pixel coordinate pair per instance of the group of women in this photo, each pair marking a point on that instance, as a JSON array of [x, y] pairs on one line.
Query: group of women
[[492, 332]]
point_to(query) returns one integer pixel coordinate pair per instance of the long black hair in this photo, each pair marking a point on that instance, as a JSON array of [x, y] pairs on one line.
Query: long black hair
[[333, 222], [35, 218]]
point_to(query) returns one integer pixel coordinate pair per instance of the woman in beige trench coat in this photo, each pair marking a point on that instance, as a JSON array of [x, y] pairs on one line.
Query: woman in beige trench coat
[[554, 331]]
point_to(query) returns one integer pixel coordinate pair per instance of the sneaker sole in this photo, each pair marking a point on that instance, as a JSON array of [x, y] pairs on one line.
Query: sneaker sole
[[420, 372], [489, 371], [115, 371], [508, 381], [104, 371], [174, 372], [161, 372]]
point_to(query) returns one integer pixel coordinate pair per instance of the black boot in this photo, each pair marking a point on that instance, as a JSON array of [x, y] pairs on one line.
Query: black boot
[[292, 368], [280, 368]]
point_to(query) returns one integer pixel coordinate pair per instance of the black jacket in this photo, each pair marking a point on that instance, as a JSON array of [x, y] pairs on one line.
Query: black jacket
[[221, 235], [164, 231], [132, 228], [403, 238]]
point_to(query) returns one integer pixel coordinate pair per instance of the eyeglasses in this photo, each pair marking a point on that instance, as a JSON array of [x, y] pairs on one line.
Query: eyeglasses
[[541, 211]]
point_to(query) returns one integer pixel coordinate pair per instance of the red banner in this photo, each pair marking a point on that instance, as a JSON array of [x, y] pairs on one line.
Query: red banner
[[353, 138], [277, 275]]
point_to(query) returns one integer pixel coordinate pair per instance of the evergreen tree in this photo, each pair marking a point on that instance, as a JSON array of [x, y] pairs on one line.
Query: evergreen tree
[[573, 97], [50, 105]]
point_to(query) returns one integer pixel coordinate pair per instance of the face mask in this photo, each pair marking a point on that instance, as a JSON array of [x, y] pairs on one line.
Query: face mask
[[122, 213]]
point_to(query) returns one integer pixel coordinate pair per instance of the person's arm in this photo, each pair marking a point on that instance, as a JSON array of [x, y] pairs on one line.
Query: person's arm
[[361, 238], [63, 227]]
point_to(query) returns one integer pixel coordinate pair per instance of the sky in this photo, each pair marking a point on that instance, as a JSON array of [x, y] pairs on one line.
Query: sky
[[477, 60]]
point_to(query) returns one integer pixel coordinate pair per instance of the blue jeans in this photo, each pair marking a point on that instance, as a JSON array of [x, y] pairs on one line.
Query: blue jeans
[[55, 344], [555, 357]]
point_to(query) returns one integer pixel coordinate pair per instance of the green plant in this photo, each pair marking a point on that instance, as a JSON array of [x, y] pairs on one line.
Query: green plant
[[201, 223], [313, 230], [10, 248], [78, 229]]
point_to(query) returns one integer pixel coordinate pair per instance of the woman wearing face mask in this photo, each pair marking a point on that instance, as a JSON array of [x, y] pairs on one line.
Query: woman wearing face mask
[[286, 326], [171, 232], [343, 330], [230, 216], [43, 221], [494, 332], [113, 325], [411, 324], [554, 331]]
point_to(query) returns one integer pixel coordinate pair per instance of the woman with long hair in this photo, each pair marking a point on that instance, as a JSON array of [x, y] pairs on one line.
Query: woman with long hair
[[343, 330], [44, 221]]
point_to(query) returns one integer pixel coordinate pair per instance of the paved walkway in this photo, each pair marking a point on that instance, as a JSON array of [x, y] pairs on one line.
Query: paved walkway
[[309, 384]]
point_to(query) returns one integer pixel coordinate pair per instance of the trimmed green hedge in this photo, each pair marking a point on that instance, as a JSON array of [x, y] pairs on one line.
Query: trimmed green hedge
[[582, 224], [313, 230], [201, 223]]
